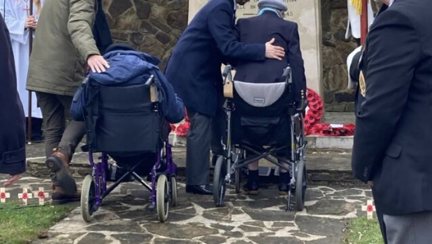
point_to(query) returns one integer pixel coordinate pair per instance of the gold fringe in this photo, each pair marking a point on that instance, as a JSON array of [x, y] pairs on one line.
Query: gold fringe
[[357, 4]]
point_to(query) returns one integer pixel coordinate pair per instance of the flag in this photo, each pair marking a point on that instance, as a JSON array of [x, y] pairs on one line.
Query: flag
[[357, 4]]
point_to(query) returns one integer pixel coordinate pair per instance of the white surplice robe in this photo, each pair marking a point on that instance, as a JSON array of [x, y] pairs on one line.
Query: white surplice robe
[[15, 13]]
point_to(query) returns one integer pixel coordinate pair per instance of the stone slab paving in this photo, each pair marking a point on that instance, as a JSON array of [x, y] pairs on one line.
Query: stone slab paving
[[126, 217]]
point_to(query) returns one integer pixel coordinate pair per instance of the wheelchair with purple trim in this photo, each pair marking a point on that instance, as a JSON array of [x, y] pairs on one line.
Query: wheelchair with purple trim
[[124, 123], [263, 121]]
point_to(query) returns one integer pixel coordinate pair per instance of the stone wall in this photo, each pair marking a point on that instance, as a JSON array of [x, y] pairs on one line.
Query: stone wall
[[335, 49], [152, 26], [155, 25]]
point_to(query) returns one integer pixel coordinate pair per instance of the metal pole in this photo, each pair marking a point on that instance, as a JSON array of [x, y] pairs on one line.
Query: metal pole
[[364, 25], [29, 117]]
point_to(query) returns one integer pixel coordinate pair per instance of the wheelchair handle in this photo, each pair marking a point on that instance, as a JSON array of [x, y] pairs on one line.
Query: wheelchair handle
[[226, 70], [287, 74], [149, 81]]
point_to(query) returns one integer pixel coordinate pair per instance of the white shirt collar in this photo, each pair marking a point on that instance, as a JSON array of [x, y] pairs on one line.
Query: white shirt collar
[[390, 3]]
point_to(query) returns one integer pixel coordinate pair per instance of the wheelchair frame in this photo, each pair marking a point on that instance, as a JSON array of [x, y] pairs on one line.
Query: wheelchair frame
[[163, 186], [234, 158]]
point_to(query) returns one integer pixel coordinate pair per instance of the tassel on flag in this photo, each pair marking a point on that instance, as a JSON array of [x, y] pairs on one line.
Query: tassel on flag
[[3, 195], [24, 196]]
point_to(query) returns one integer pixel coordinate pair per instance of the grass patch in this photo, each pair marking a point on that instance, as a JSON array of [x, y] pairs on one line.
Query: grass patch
[[363, 231], [22, 224]]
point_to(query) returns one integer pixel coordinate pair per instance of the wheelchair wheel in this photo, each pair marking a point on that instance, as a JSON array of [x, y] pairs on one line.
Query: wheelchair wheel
[[173, 191], [87, 198], [237, 180], [162, 198], [301, 185], [219, 186]]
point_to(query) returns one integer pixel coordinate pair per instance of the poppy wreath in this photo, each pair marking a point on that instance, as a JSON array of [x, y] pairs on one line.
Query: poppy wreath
[[325, 129], [314, 113], [314, 110]]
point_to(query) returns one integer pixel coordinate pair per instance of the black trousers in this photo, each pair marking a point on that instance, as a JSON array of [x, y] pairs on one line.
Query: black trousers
[[205, 133], [59, 129]]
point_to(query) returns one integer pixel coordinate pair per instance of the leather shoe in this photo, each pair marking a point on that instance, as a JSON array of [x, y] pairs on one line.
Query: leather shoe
[[199, 189]]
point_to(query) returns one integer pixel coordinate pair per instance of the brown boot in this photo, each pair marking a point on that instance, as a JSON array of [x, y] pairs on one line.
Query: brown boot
[[64, 186]]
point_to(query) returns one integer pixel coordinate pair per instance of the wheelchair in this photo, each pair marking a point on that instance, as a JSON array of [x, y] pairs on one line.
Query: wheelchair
[[124, 123], [262, 122]]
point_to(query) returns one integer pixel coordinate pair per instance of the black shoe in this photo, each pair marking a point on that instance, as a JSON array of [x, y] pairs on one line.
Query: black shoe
[[251, 187], [199, 189], [284, 180]]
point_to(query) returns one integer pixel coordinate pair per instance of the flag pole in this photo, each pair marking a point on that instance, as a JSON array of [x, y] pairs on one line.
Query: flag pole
[[29, 117], [364, 25]]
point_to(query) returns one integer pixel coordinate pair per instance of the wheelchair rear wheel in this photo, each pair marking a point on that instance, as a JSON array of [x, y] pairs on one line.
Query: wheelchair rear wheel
[[162, 197], [301, 185], [237, 180], [173, 190], [88, 198], [219, 184]]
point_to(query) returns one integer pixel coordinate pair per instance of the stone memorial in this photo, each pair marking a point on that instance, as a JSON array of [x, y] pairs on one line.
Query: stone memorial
[[307, 15]]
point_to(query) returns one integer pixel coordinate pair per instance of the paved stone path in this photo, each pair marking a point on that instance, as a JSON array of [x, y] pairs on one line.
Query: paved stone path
[[125, 217]]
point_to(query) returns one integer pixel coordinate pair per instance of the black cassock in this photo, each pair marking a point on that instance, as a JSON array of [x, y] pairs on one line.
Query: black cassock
[[12, 123]]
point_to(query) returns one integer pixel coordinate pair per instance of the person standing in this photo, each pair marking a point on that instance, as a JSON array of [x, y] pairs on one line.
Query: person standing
[[20, 22], [63, 46], [194, 69], [393, 123], [12, 124], [267, 25]]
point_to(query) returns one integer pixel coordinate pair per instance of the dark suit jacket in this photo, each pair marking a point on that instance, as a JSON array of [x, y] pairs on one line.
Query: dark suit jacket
[[12, 124], [261, 29], [194, 68], [392, 143]]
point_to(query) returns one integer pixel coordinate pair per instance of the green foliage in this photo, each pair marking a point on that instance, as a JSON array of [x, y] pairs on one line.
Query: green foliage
[[22, 224], [363, 231]]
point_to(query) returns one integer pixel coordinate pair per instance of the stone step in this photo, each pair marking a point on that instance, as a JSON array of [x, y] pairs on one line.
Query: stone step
[[324, 166]]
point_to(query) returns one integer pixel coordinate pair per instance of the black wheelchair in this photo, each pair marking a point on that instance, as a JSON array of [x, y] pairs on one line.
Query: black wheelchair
[[124, 123], [263, 122]]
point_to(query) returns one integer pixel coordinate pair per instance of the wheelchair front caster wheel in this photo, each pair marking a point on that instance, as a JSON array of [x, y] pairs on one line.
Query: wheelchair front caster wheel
[[162, 198], [88, 198]]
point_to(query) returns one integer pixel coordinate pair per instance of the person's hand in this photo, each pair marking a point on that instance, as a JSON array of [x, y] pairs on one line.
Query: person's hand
[[97, 63], [274, 52], [30, 22], [11, 180]]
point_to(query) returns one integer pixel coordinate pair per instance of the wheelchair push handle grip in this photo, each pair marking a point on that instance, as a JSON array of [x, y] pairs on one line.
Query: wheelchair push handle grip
[[150, 80], [287, 74], [226, 70]]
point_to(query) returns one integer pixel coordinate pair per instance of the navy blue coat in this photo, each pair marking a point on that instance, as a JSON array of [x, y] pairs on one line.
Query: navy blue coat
[[392, 143], [261, 29], [194, 68], [12, 123]]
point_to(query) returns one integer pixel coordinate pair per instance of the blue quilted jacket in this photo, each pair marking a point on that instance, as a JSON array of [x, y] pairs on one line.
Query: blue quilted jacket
[[127, 68]]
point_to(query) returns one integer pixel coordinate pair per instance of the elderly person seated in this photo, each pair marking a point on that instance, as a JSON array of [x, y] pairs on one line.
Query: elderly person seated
[[269, 24]]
